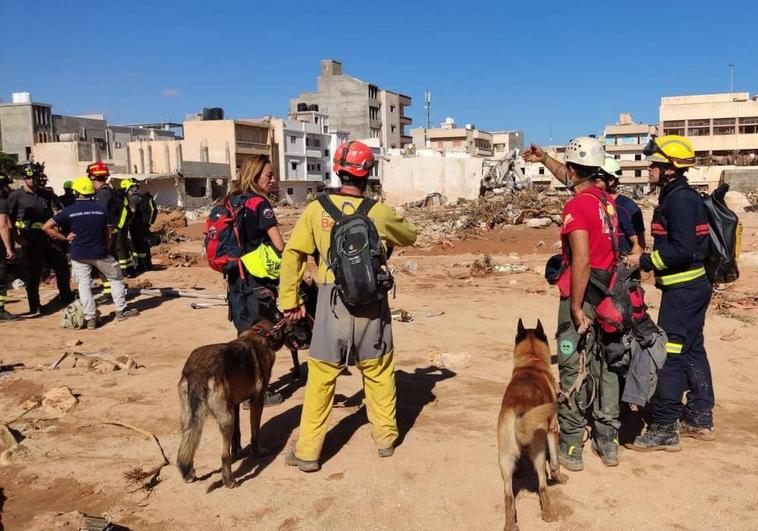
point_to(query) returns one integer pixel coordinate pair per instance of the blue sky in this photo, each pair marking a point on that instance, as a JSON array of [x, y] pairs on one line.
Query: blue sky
[[531, 66]]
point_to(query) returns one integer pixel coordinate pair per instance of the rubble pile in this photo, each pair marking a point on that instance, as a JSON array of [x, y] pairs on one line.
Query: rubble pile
[[166, 225], [440, 222]]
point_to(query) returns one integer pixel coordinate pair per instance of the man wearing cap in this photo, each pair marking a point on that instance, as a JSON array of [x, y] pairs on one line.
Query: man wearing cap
[[29, 208], [68, 197], [87, 225], [6, 246]]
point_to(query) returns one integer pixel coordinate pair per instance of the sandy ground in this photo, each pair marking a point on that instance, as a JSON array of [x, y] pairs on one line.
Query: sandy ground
[[444, 475]]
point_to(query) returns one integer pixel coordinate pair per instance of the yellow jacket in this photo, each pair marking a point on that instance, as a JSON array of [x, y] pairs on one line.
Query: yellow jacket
[[312, 232]]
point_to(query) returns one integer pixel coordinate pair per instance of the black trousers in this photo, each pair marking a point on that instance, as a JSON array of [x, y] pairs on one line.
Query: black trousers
[[141, 256], [250, 300], [120, 249], [682, 317], [3, 277], [39, 252]]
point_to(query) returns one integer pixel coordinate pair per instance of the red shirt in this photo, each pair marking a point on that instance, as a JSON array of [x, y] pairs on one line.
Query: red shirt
[[585, 212]]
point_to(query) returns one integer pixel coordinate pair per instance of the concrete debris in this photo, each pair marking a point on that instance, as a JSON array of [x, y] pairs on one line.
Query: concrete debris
[[198, 214], [450, 360], [14, 455], [166, 225], [511, 268], [182, 259], [401, 315], [59, 400], [539, 223], [18, 284], [484, 265], [409, 266], [7, 437]]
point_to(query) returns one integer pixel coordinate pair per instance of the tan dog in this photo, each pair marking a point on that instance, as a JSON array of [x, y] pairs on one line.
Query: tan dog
[[217, 379], [529, 419]]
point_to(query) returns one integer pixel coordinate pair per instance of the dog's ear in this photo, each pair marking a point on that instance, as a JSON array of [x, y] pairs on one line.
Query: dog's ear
[[520, 331], [539, 331]]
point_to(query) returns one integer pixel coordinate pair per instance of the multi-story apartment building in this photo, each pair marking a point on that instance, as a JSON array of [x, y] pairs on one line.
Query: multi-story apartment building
[[625, 141], [24, 123], [449, 137], [362, 108], [722, 127], [504, 141]]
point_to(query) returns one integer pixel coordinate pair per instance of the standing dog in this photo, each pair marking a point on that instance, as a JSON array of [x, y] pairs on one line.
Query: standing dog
[[529, 419], [216, 379]]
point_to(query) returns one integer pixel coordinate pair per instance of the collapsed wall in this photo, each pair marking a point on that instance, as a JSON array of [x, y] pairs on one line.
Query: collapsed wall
[[407, 179]]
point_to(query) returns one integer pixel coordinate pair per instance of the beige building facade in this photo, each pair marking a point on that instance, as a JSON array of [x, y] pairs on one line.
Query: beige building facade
[[449, 137], [722, 127], [625, 141]]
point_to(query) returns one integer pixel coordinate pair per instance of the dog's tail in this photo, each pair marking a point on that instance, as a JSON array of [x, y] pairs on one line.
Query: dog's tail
[[192, 397], [533, 420]]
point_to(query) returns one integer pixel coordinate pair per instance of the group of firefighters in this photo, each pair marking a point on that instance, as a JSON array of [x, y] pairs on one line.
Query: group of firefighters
[[28, 217]]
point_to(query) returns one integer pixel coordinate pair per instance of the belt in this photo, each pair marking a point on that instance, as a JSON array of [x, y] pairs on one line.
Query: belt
[[29, 225], [680, 278]]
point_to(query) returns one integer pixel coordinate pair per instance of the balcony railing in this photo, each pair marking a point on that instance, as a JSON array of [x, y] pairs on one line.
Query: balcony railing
[[252, 148]]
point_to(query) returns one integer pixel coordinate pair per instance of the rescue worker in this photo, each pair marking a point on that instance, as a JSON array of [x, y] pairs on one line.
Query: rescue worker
[[143, 214], [680, 245], [338, 333], [88, 229], [7, 253], [29, 208], [589, 249], [631, 225], [117, 206], [68, 197]]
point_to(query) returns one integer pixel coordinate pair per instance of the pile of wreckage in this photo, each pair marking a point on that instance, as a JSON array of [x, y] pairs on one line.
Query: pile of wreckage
[[440, 221]]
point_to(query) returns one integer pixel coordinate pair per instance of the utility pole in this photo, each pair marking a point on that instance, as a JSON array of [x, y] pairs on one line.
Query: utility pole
[[731, 77], [428, 108]]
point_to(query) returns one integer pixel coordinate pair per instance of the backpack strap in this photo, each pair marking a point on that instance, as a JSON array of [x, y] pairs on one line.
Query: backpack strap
[[366, 205], [330, 207]]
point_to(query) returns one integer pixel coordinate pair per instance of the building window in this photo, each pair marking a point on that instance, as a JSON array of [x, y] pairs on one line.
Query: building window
[[724, 126], [326, 153], [617, 157], [309, 190], [315, 119], [541, 170], [637, 156], [293, 139], [699, 127], [393, 128], [327, 176], [293, 165], [318, 167], [673, 127], [290, 191], [638, 173], [394, 146], [392, 108], [749, 125], [374, 133]]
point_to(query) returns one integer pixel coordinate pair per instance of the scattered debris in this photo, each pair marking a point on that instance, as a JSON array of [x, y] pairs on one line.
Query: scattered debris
[[539, 223], [737, 202], [202, 305], [484, 266], [59, 400], [450, 360], [7, 437], [401, 315], [143, 479], [18, 284], [182, 258], [17, 453], [434, 314], [171, 292], [409, 266], [511, 268], [73, 343], [167, 223]]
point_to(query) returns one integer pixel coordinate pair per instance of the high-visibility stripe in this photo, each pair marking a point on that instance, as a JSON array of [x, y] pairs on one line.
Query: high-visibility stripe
[[657, 228], [2, 298], [657, 260], [674, 348], [678, 278], [124, 211], [29, 225]]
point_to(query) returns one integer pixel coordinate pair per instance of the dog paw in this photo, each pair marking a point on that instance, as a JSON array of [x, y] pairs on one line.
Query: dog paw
[[230, 484], [549, 516], [560, 477], [189, 477]]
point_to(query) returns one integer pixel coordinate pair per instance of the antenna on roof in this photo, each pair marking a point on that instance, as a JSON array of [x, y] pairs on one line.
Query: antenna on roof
[[428, 108]]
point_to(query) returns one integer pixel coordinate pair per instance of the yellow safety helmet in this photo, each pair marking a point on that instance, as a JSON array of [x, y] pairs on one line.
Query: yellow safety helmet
[[670, 149], [126, 184], [83, 186]]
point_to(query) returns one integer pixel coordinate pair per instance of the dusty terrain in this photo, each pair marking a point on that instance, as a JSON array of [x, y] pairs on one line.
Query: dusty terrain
[[444, 475]]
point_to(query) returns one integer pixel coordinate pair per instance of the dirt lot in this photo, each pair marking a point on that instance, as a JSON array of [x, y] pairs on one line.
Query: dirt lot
[[444, 475]]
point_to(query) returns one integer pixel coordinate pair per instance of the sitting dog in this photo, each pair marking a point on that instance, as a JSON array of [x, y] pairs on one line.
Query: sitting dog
[[529, 419], [216, 379]]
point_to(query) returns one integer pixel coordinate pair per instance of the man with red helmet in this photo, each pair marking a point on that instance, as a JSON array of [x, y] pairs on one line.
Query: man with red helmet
[[117, 206], [339, 331]]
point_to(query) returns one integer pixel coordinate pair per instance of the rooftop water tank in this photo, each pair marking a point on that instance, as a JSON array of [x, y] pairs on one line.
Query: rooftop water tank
[[22, 97], [213, 113]]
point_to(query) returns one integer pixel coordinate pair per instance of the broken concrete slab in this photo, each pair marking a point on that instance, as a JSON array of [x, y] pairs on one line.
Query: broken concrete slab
[[59, 400], [14, 455], [539, 223]]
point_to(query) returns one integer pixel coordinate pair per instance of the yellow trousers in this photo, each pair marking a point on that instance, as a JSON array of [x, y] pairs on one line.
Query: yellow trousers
[[381, 401]]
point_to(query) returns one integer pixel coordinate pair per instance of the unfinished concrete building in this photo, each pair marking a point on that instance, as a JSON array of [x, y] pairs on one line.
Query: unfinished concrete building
[[24, 123], [362, 108]]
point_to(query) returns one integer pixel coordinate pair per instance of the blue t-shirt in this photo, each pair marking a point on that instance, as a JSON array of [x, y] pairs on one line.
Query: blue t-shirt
[[630, 221], [88, 221]]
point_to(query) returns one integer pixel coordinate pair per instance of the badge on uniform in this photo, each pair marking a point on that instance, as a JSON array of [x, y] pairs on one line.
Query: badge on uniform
[[566, 347]]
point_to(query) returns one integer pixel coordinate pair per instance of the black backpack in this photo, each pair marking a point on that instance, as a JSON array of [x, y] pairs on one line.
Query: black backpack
[[726, 236], [356, 256]]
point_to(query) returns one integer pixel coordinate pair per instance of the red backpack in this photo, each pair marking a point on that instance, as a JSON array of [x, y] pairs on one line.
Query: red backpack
[[223, 245]]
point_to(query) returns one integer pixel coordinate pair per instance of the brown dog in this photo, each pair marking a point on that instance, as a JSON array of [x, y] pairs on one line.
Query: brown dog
[[529, 419], [217, 379]]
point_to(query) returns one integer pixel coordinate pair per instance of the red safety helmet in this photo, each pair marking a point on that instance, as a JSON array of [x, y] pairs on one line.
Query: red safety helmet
[[98, 171], [354, 158]]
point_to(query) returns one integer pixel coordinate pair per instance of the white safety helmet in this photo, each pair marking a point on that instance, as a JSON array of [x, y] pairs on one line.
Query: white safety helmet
[[586, 151], [611, 167]]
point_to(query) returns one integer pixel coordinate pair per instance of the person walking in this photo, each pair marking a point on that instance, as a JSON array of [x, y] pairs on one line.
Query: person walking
[[680, 232], [7, 253], [87, 228], [29, 208], [341, 331]]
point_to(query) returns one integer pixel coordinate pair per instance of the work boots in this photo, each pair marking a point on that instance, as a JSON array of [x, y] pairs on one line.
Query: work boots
[[301, 464], [696, 432], [570, 457], [607, 449], [7, 316], [657, 437]]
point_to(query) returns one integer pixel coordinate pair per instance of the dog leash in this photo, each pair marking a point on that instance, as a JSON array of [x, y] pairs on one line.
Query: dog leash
[[582, 375]]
